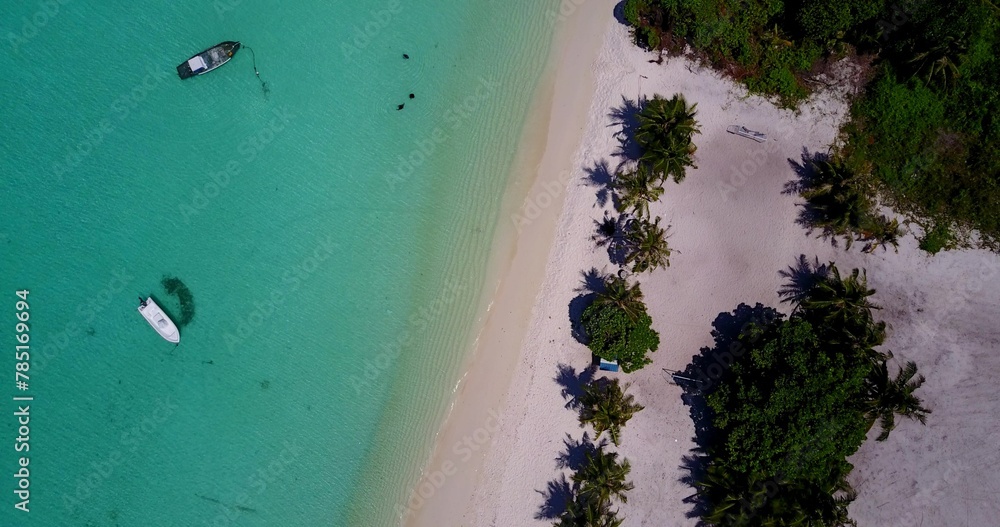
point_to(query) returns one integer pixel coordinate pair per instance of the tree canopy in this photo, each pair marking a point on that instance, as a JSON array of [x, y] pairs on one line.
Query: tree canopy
[[613, 335], [787, 410], [799, 397]]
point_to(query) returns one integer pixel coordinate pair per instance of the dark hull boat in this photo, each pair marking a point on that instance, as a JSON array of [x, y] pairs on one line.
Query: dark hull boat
[[208, 60]]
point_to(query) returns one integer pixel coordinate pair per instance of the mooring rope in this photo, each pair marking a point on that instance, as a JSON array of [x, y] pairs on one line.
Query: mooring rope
[[263, 85]]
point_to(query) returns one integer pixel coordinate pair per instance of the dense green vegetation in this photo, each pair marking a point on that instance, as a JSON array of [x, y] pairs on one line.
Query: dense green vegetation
[[933, 150], [764, 43], [922, 131], [788, 408], [614, 335], [800, 398]]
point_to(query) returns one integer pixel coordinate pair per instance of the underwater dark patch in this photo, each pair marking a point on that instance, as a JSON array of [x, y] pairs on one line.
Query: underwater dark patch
[[175, 287]]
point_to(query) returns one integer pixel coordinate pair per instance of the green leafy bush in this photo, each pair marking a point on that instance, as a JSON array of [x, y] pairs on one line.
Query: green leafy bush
[[615, 336], [632, 11], [925, 129], [936, 239], [789, 409], [823, 19]]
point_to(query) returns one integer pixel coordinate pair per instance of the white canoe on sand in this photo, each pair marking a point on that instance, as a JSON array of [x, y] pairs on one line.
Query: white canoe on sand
[[760, 137], [159, 320]]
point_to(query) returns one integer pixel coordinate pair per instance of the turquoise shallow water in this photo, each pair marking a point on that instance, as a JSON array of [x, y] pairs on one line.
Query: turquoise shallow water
[[332, 247]]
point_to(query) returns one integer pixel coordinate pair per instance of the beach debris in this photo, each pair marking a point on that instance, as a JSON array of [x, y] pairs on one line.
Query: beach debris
[[743, 131], [412, 96], [400, 107], [405, 56], [673, 376]]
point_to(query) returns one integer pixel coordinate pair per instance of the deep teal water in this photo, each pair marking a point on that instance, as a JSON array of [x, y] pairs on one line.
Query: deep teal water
[[332, 247]]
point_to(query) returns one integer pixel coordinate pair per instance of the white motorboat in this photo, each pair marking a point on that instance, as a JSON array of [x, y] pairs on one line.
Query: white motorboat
[[159, 320], [760, 137]]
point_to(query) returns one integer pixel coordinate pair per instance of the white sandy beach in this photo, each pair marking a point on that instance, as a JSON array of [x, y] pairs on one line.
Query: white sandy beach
[[733, 229]]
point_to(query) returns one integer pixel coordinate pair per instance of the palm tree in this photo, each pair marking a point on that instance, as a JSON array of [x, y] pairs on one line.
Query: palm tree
[[670, 157], [627, 297], [727, 501], [662, 116], [840, 300], [605, 405], [648, 246], [585, 511], [636, 190], [940, 61], [664, 133], [834, 195], [886, 399], [868, 336], [881, 231], [805, 503], [735, 500], [775, 38], [602, 477]]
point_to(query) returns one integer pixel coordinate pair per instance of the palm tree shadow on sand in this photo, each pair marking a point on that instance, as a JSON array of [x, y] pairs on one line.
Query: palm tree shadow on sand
[[626, 116], [599, 176], [572, 383], [800, 278], [707, 370], [592, 284], [611, 233], [559, 492], [807, 175], [695, 464]]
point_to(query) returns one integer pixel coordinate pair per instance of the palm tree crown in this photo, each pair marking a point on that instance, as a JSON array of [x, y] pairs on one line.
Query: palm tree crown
[[940, 61], [586, 511], [880, 231], [602, 478], [839, 205], [841, 301], [886, 397], [664, 133], [628, 297], [637, 189], [648, 246], [605, 405]]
